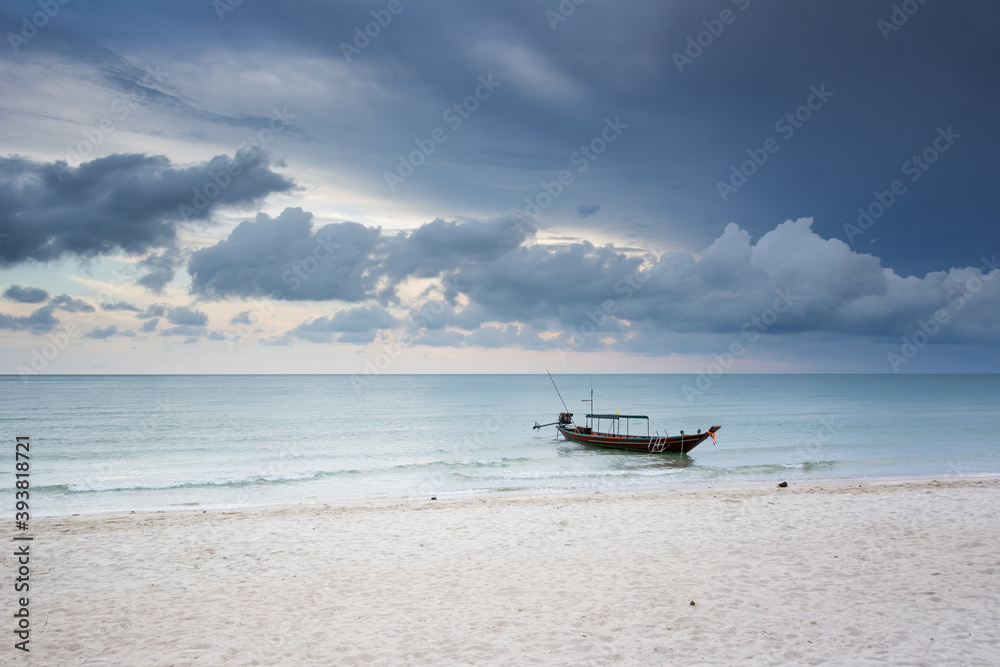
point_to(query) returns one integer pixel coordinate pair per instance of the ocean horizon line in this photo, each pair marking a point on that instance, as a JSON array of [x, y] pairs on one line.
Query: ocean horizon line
[[804, 374]]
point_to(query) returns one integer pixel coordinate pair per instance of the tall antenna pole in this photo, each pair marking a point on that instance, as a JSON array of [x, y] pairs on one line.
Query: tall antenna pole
[[557, 391]]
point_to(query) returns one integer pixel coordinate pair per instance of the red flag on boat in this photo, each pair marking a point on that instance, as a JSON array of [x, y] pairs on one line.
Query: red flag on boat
[[713, 437]]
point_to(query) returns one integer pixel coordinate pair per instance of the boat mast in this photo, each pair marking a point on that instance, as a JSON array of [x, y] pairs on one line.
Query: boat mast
[[557, 392], [592, 397], [591, 401]]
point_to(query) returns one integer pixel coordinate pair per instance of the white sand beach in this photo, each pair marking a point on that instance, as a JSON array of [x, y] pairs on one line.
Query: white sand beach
[[830, 573]]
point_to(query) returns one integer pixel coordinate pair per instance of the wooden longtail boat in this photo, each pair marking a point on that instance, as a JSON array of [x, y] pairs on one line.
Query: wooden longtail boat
[[612, 436]]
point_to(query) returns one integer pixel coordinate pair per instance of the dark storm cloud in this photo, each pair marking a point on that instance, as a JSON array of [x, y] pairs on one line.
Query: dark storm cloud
[[25, 294], [282, 258], [441, 313], [538, 283], [187, 316], [439, 246], [356, 320], [71, 305], [160, 269], [39, 321], [356, 325], [690, 122], [130, 203]]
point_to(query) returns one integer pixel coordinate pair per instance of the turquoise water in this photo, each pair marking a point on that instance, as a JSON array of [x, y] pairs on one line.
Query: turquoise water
[[144, 442]]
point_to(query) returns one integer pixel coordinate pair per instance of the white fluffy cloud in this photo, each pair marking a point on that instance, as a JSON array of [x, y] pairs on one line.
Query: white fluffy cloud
[[793, 278]]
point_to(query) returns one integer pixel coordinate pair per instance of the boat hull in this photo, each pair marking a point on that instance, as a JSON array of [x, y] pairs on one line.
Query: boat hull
[[679, 444]]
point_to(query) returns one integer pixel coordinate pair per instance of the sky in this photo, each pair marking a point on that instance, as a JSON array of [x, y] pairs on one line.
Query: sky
[[727, 186]]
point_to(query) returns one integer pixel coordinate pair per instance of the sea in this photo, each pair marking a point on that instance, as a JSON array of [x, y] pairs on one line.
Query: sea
[[184, 442]]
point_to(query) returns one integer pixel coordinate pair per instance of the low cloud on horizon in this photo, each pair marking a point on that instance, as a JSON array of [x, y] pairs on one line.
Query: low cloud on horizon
[[491, 284]]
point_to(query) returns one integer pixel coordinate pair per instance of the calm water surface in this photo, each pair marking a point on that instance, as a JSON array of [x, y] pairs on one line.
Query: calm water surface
[[143, 442]]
